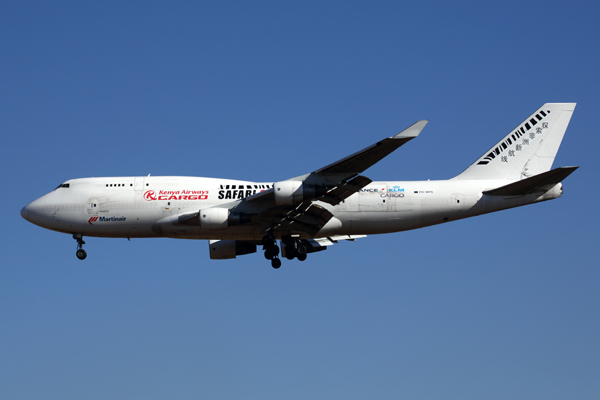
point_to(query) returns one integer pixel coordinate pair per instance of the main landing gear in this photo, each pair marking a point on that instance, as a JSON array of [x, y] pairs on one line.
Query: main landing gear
[[294, 248], [271, 251], [81, 254]]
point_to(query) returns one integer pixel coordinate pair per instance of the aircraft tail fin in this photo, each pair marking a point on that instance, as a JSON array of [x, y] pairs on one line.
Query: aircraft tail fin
[[528, 150]]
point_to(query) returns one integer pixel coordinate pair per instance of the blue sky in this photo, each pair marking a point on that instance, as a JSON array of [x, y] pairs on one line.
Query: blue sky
[[500, 306]]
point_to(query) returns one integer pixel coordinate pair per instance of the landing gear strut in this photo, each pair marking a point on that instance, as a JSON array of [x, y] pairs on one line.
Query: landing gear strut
[[271, 251], [81, 254]]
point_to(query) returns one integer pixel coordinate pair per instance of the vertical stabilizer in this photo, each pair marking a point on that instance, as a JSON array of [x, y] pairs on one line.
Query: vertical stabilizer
[[527, 150]]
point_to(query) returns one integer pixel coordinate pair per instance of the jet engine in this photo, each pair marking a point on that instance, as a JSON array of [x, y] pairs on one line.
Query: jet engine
[[288, 192], [221, 218], [214, 218], [226, 249], [292, 192]]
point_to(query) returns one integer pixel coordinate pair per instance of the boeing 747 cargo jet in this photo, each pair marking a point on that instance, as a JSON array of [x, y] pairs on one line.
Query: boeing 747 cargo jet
[[310, 212]]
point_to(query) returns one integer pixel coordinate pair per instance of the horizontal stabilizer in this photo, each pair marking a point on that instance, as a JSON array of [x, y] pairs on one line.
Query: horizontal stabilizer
[[529, 185]]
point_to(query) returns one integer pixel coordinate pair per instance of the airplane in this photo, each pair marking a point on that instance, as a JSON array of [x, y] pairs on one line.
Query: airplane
[[308, 213]]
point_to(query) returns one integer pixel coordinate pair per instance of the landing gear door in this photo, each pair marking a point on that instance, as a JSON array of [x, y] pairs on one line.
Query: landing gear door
[[138, 184]]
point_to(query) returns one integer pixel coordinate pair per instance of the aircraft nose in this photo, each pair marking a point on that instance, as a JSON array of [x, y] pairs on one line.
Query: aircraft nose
[[40, 212], [25, 213]]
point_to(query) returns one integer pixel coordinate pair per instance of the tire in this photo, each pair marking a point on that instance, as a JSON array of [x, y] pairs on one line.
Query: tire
[[268, 254], [290, 252], [276, 263], [302, 257], [81, 254]]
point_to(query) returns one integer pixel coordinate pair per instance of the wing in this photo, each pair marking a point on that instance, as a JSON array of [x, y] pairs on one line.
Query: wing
[[298, 211], [341, 179], [360, 161]]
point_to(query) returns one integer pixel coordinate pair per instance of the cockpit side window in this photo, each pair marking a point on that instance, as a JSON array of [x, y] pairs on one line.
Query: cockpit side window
[[63, 185]]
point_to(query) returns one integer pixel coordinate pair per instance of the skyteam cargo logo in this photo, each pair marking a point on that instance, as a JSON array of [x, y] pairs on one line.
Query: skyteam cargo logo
[[394, 191], [106, 219], [152, 195]]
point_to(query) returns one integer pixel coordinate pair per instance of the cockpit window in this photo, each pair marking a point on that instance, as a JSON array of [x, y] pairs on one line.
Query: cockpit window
[[64, 185]]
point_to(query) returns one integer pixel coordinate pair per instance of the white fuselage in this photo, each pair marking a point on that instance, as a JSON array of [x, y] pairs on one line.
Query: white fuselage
[[138, 207]]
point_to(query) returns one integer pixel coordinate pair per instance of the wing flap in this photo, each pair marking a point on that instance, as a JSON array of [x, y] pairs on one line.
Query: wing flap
[[328, 241], [307, 217], [345, 190]]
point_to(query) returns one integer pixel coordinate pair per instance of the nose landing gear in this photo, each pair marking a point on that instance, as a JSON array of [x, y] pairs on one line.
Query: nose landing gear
[[81, 254]]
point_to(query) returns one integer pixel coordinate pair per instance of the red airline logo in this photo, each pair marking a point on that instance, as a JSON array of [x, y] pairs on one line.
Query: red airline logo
[[151, 195], [93, 219]]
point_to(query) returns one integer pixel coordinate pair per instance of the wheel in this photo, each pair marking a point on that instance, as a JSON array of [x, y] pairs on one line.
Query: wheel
[[290, 252], [276, 263], [268, 254], [302, 257], [271, 252], [81, 254], [301, 249]]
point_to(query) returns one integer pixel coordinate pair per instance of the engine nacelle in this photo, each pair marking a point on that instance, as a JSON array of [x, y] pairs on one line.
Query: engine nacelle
[[226, 249], [214, 218], [221, 218], [288, 192]]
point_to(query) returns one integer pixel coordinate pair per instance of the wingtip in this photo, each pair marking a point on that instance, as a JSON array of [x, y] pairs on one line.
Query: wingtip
[[413, 130]]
